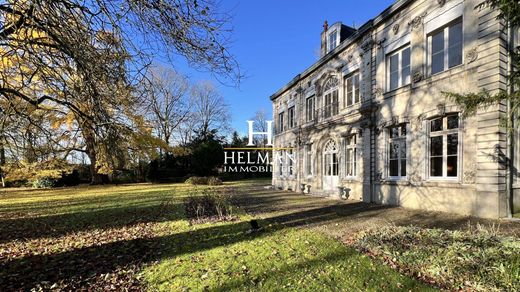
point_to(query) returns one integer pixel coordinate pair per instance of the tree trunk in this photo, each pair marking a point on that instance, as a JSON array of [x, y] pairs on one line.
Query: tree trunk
[[2, 161], [96, 177]]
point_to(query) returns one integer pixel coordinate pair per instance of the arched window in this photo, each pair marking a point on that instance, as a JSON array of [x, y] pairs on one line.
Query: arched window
[[331, 84], [330, 159], [330, 93], [330, 147]]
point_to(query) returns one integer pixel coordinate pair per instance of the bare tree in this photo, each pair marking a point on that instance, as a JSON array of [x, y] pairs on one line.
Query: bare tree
[[79, 60], [167, 101], [260, 125], [184, 133], [209, 109]]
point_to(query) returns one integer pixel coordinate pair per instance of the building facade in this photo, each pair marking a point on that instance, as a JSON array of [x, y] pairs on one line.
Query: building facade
[[369, 120]]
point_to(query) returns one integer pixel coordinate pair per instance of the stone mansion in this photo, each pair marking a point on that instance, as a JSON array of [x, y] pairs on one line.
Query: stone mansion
[[369, 120]]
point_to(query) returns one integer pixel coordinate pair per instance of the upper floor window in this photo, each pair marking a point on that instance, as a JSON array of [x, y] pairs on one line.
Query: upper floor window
[[398, 64], [332, 41], [350, 159], [446, 47], [444, 147], [397, 151], [280, 122], [310, 108], [290, 117], [331, 98], [352, 89]]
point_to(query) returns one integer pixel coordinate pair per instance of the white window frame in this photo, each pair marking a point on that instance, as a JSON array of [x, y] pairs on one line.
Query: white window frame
[[400, 82], [446, 30], [310, 111], [290, 162], [444, 133], [353, 89], [352, 160], [333, 106], [281, 122], [309, 167], [280, 163], [332, 40], [406, 141], [291, 117]]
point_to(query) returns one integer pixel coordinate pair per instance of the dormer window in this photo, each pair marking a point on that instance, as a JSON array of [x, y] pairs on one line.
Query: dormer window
[[332, 40]]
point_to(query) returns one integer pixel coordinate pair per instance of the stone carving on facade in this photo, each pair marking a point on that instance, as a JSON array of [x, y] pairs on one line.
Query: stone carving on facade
[[378, 91], [349, 58], [415, 178], [469, 176], [418, 122], [380, 43], [472, 55], [441, 109], [395, 28], [379, 176], [441, 2], [417, 76], [417, 22]]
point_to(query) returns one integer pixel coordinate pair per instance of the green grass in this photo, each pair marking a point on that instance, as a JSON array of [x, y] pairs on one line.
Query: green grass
[[226, 258], [478, 259], [136, 236]]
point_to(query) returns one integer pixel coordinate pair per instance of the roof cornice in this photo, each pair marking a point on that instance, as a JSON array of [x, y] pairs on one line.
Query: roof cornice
[[388, 12]]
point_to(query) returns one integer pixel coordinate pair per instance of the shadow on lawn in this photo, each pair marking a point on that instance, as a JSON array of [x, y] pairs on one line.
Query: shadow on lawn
[[58, 225], [78, 264]]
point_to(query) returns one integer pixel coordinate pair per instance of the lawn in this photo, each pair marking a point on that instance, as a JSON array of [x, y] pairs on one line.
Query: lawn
[[136, 237]]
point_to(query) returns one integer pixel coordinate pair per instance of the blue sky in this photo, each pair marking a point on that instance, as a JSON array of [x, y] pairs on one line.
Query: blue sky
[[276, 40]]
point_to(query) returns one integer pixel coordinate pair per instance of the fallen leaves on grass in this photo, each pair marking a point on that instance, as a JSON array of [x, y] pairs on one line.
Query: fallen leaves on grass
[[96, 260], [475, 260]]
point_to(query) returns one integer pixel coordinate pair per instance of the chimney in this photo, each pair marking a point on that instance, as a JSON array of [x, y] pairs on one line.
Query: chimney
[[323, 49]]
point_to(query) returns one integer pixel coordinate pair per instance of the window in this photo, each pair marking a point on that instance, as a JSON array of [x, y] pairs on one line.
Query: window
[[310, 108], [331, 98], [351, 156], [280, 122], [446, 47], [331, 159], [308, 160], [280, 163], [516, 145], [352, 89], [398, 64], [444, 147], [290, 117], [333, 38], [290, 157], [397, 151]]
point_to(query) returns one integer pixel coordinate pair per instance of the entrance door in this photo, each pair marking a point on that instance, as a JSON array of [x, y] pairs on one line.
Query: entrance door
[[330, 166]]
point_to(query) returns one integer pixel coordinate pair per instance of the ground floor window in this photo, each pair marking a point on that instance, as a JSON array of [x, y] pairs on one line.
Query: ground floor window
[[331, 159], [350, 159], [280, 163], [397, 151], [290, 160], [308, 160], [444, 147]]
